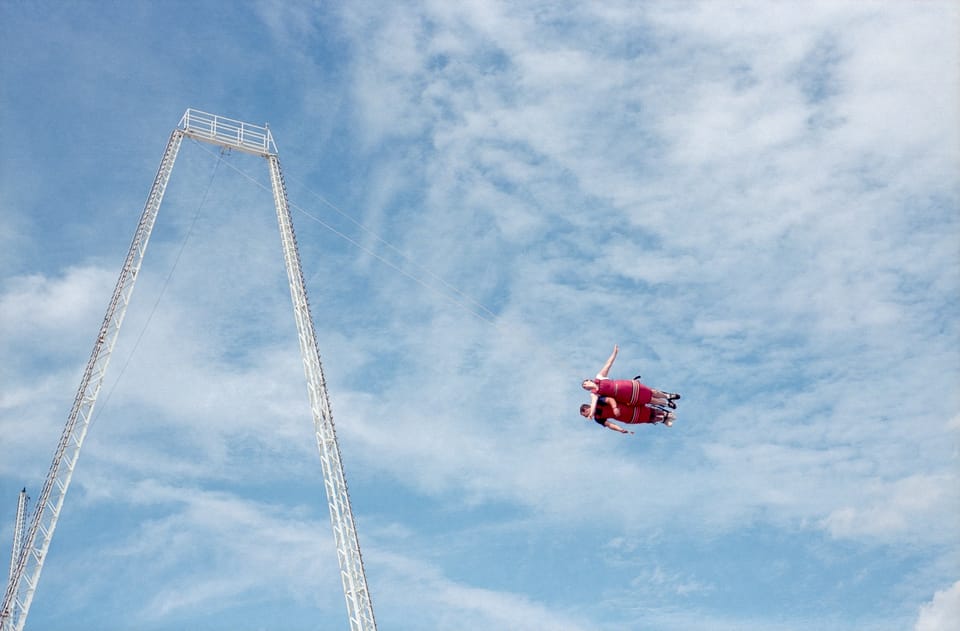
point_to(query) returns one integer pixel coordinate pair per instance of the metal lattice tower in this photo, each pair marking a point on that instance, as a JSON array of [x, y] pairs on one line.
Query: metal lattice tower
[[19, 530], [30, 553]]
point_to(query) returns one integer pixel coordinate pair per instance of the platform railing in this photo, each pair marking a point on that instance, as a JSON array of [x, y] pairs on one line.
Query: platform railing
[[228, 132]]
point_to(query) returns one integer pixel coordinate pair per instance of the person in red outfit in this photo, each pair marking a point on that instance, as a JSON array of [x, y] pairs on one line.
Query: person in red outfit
[[624, 391], [608, 409]]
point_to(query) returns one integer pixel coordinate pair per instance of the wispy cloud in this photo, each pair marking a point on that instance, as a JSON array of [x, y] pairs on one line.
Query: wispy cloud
[[758, 203]]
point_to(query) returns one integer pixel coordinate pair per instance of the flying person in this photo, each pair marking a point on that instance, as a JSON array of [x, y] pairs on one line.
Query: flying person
[[608, 409], [624, 391]]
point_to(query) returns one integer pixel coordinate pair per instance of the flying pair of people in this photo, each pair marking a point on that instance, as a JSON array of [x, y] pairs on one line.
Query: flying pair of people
[[626, 400]]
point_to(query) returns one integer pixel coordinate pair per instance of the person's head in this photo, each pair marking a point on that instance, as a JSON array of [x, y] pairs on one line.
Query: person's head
[[585, 410], [589, 384]]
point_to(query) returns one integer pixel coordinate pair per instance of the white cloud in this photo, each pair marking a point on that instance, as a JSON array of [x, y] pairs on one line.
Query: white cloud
[[661, 580], [942, 613], [46, 310], [909, 505], [954, 423], [658, 176], [428, 599], [235, 551]]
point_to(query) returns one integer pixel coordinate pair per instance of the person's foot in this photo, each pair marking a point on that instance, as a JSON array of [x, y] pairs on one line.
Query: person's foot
[[668, 422], [673, 396], [671, 404]]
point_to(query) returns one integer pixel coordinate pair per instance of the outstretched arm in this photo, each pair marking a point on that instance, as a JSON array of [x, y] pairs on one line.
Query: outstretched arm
[[606, 367], [616, 428]]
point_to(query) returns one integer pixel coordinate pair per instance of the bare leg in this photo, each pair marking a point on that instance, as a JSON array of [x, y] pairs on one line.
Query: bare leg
[[657, 397], [664, 398]]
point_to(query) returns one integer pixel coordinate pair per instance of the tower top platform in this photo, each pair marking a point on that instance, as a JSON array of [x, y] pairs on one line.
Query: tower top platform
[[229, 133]]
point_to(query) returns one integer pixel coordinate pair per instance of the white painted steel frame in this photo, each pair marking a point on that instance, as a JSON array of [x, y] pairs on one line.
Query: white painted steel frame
[[259, 141], [19, 531], [359, 604], [26, 574]]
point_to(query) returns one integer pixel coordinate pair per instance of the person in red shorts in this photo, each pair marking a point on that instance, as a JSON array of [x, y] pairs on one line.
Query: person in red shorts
[[608, 408], [624, 391]]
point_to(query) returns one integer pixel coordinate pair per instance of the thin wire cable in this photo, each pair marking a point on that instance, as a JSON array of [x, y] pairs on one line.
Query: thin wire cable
[[163, 288], [449, 298], [559, 360], [392, 247], [489, 320]]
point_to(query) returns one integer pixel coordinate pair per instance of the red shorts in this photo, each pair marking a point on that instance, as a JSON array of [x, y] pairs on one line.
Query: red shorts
[[628, 413], [641, 414], [626, 391]]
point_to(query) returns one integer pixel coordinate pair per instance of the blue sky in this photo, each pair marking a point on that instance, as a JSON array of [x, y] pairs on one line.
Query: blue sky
[[757, 201]]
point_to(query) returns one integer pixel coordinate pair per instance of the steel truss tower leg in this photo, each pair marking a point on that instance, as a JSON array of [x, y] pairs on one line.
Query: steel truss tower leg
[[19, 530], [26, 573], [359, 605]]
